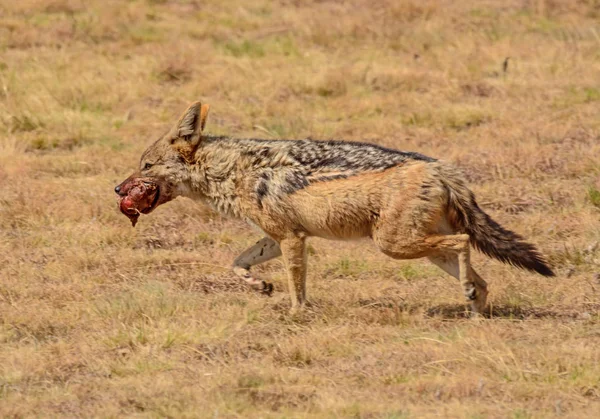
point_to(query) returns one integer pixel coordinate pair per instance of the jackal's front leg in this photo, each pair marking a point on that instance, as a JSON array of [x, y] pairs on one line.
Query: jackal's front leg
[[294, 258], [265, 249]]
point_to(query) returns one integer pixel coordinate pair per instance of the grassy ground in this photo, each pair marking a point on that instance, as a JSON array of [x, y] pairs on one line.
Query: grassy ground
[[99, 319]]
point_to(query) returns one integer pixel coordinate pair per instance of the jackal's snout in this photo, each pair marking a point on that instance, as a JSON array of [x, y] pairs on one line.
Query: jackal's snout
[[123, 188]]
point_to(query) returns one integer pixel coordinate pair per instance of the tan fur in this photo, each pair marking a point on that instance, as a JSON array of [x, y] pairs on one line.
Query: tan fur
[[411, 206]]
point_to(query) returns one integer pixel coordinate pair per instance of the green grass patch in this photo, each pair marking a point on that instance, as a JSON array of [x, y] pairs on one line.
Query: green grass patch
[[577, 96], [245, 48], [465, 119], [593, 195], [418, 119], [409, 272], [143, 34], [23, 123], [278, 45]]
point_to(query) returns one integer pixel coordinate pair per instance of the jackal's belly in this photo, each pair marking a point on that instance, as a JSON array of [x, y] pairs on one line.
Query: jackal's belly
[[340, 209], [336, 229]]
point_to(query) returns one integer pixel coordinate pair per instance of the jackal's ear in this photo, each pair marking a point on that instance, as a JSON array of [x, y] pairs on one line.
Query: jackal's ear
[[190, 125], [203, 115]]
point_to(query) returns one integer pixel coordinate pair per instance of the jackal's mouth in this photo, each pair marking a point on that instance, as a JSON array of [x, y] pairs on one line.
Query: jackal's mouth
[[141, 197], [154, 201]]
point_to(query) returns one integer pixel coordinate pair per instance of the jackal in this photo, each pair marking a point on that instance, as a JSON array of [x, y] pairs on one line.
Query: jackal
[[410, 205]]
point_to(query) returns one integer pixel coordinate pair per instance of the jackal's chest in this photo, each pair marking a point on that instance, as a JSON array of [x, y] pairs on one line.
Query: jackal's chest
[[255, 226]]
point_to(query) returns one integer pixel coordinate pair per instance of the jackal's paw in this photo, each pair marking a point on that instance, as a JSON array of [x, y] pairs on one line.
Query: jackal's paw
[[475, 315], [480, 310], [471, 293], [267, 289]]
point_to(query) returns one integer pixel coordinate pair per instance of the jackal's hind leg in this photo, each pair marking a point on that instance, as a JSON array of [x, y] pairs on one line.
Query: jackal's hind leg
[[456, 246], [265, 249], [475, 288]]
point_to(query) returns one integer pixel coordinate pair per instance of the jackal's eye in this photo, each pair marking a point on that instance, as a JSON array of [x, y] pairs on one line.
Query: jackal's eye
[[147, 166]]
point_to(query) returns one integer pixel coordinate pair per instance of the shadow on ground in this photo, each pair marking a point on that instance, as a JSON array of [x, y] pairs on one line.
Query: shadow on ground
[[495, 311], [505, 311], [227, 283]]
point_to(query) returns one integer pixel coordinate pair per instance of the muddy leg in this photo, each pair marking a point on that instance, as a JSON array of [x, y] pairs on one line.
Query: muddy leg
[[265, 249]]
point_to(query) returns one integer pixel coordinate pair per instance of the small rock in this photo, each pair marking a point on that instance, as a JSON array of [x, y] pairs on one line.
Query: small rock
[[480, 386], [557, 408]]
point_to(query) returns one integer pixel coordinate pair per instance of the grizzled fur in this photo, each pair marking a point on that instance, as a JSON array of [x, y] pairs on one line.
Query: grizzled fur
[[279, 167], [410, 205]]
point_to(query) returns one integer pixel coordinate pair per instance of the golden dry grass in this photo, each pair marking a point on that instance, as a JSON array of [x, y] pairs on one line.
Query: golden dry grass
[[99, 319]]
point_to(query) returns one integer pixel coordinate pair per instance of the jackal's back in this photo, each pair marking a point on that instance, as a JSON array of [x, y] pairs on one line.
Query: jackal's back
[[276, 168]]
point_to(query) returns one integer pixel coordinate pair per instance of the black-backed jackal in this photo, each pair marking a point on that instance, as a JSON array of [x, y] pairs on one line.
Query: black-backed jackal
[[410, 205]]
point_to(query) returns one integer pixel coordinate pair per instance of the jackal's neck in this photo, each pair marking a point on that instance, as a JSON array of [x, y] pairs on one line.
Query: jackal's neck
[[213, 177]]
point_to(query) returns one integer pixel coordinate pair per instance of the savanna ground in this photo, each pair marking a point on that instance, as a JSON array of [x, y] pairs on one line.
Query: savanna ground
[[99, 319]]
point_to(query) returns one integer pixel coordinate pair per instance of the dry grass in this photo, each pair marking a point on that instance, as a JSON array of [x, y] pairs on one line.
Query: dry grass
[[99, 319]]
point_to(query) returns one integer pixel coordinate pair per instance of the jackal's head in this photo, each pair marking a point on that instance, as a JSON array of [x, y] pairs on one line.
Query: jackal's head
[[164, 170]]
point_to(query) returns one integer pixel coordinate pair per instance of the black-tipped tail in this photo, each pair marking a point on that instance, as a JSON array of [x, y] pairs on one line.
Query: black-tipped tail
[[495, 241], [486, 235]]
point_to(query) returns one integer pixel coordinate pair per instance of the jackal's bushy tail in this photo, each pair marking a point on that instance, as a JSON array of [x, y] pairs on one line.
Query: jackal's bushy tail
[[486, 235]]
